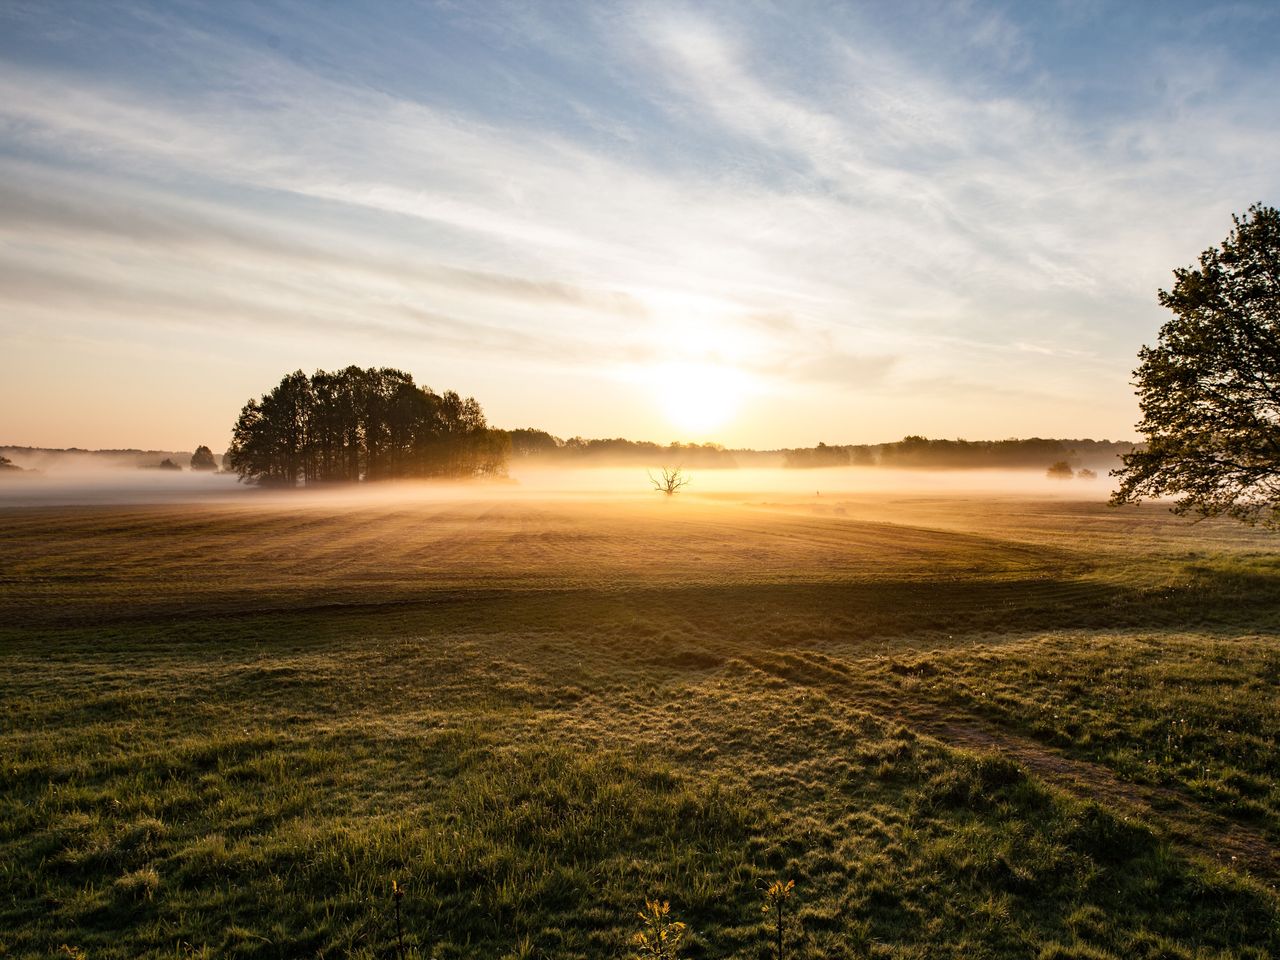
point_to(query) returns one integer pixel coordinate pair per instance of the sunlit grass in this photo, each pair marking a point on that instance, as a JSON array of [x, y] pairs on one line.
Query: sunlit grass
[[217, 758]]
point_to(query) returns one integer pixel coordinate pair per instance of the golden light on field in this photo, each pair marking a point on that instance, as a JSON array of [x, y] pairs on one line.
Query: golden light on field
[[697, 397]]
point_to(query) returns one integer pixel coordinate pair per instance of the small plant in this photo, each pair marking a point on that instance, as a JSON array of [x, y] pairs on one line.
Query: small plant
[[660, 936], [397, 894], [776, 896]]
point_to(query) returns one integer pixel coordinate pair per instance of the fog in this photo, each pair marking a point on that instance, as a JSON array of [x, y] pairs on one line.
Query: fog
[[826, 482], [63, 485], [66, 485]]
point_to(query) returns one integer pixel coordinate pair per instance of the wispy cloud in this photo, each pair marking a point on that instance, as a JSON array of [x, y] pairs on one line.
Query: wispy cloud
[[656, 181]]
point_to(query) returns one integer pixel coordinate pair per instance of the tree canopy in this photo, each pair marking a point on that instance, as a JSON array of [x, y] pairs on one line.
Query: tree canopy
[[359, 425], [202, 459], [1210, 389]]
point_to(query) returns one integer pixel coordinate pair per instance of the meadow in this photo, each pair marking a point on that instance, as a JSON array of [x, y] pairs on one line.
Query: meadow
[[1001, 725]]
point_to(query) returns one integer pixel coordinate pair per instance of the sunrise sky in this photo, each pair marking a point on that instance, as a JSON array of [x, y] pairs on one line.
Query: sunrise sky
[[765, 224]]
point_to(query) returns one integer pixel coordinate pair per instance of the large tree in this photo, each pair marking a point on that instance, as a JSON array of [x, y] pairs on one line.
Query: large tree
[[1210, 388]]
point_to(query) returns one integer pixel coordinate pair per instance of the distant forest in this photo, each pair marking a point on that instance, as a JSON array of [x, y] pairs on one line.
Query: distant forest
[[372, 424], [357, 424], [922, 453], [914, 452], [531, 444], [37, 458]]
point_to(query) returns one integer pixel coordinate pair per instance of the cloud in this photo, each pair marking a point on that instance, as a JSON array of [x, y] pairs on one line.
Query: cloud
[[864, 213], [47, 209], [851, 371]]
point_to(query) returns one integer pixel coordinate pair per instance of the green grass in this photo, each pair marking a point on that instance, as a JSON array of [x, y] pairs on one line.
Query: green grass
[[1200, 712], [225, 732]]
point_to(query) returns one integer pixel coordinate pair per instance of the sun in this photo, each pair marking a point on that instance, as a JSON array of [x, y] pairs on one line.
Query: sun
[[698, 397]]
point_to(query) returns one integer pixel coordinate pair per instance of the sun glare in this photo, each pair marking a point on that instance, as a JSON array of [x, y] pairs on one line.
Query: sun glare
[[698, 397]]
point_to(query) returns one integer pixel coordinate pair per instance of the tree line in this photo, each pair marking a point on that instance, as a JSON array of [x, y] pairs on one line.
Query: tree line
[[531, 443], [915, 452], [359, 425]]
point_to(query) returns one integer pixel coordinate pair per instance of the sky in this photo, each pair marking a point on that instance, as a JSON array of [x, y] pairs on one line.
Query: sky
[[763, 224]]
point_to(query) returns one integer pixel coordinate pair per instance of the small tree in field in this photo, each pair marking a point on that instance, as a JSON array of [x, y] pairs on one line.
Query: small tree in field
[[1060, 471], [1210, 389], [672, 479], [202, 459]]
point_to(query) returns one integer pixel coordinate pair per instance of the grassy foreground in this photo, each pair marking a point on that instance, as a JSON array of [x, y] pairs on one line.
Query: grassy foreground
[[963, 728]]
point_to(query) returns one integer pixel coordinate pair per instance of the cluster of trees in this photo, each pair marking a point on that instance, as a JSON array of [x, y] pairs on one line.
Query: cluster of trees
[[362, 424], [45, 458], [917, 452], [1061, 470], [202, 459], [803, 458]]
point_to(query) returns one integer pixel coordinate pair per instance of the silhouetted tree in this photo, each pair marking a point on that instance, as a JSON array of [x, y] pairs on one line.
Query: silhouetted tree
[[1210, 389], [202, 459], [529, 442], [7, 464], [671, 480], [167, 464], [1061, 470]]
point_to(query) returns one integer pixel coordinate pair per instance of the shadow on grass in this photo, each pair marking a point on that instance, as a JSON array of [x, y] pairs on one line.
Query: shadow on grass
[[781, 613]]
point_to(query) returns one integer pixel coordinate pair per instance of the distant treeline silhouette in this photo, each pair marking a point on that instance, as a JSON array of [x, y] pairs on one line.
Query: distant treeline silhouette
[[532, 443], [360, 425], [916, 452], [38, 458]]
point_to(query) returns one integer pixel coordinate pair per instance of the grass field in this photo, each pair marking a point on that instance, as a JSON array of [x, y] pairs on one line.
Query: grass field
[[964, 726]]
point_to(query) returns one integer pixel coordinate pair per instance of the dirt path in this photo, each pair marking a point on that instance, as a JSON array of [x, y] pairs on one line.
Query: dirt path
[[1170, 812], [1173, 814]]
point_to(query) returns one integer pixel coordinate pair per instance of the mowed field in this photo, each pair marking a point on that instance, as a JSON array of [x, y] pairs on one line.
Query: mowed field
[[964, 726]]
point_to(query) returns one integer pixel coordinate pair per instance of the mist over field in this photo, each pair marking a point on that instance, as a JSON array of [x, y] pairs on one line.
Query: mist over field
[[78, 482]]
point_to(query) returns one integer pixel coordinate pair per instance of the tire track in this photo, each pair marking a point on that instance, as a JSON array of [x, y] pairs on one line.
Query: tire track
[[1173, 814]]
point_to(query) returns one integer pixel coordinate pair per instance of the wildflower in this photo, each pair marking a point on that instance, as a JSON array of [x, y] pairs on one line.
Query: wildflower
[[660, 937], [776, 896]]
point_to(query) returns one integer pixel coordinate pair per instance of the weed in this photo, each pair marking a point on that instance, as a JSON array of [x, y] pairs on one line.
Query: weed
[[397, 894], [660, 936], [776, 897]]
